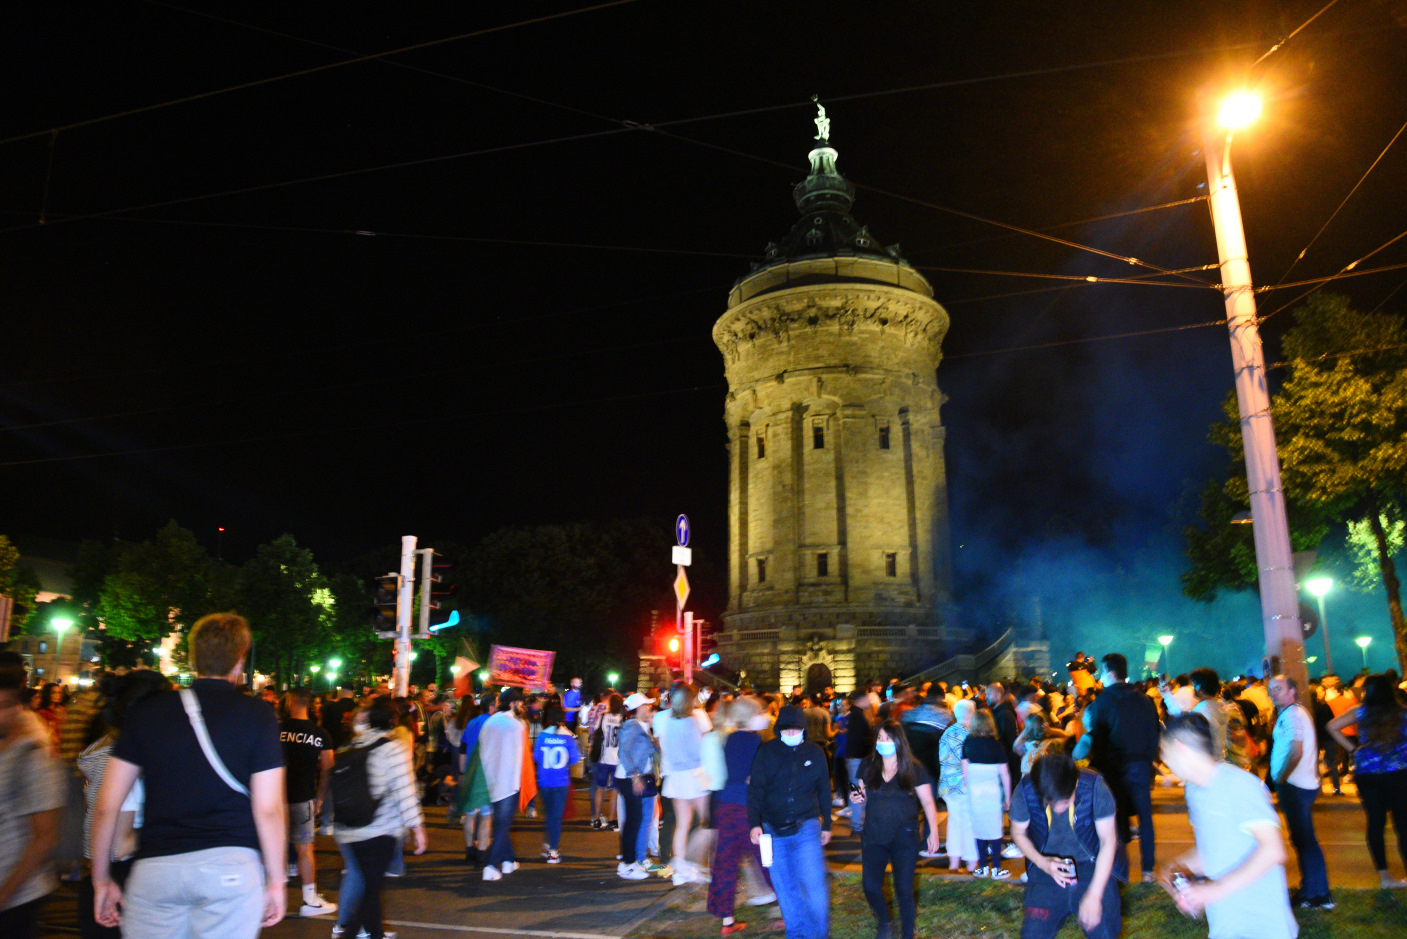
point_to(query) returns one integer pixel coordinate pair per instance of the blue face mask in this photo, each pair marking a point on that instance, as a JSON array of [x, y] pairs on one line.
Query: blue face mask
[[886, 747], [792, 739]]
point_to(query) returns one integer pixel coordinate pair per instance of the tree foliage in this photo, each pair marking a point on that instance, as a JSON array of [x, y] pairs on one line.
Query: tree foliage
[[1341, 429], [18, 583]]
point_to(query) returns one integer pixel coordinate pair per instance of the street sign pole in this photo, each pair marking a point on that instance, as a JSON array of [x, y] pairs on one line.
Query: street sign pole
[[683, 557], [403, 605]]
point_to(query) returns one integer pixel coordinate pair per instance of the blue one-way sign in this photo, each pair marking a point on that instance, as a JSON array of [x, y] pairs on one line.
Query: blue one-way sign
[[681, 531]]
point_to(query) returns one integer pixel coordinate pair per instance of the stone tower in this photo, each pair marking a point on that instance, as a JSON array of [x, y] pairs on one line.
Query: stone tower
[[839, 555]]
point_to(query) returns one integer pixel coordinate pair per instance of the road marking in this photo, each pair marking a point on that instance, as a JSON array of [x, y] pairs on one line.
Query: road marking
[[452, 927]]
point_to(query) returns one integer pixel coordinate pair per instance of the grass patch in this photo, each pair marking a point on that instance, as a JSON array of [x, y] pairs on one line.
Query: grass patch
[[954, 909]]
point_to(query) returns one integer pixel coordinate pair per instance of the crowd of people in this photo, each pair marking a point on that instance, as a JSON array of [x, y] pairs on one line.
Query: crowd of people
[[192, 808]]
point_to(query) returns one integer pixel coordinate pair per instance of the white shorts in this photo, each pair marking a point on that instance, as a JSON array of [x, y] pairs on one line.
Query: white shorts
[[685, 784]]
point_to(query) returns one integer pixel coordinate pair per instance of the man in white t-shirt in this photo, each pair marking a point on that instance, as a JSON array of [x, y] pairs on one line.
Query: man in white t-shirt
[[1294, 769]]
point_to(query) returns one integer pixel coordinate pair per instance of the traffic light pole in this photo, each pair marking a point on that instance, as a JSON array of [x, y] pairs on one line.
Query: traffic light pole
[[403, 608], [427, 572]]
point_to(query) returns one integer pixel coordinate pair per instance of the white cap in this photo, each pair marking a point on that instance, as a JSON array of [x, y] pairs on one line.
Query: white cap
[[635, 700]]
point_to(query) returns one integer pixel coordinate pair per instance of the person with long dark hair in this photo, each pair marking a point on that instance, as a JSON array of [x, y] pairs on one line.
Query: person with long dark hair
[[1379, 768], [893, 787]]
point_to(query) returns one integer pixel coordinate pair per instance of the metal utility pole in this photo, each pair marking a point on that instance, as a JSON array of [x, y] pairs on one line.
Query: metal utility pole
[[403, 605], [427, 571], [1284, 640]]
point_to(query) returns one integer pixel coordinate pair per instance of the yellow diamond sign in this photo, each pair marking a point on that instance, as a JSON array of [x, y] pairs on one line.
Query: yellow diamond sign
[[681, 588]]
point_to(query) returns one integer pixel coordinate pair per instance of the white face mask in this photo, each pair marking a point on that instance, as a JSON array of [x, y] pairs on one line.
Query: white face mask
[[792, 738]]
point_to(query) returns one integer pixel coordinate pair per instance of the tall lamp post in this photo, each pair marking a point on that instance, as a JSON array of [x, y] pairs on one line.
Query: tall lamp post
[[1284, 641], [1319, 586], [1166, 641], [61, 625], [1363, 643]]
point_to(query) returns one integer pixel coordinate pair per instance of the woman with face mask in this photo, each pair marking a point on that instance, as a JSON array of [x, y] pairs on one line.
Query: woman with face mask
[[893, 787]]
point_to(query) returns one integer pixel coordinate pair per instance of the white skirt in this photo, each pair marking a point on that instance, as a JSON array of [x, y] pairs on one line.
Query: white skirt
[[685, 784]]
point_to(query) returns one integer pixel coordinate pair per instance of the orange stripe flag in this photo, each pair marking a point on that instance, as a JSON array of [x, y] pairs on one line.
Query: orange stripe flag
[[527, 788]]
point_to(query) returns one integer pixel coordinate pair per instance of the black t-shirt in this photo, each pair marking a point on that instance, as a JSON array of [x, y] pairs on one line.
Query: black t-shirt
[[891, 810], [1062, 841], [188, 806], [983, 750], [303, 743]]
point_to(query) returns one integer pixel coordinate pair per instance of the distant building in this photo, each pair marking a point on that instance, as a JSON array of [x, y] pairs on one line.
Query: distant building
[[72, 662], [839, 556]]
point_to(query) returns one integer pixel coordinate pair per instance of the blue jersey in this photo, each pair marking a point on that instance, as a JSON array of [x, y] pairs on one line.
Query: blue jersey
[[554, 755]]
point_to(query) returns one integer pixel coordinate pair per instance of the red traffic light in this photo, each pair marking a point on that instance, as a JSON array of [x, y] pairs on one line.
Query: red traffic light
[[674, 645]]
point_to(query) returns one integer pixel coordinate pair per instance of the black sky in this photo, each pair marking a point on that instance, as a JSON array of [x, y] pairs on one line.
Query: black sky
[[526, 336]]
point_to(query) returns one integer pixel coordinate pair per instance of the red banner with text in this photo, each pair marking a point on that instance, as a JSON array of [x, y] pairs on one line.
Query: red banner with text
[[523, 668]]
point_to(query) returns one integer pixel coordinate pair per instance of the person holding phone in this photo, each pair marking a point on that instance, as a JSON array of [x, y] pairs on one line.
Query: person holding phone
[[1062, 819], [894, 787]]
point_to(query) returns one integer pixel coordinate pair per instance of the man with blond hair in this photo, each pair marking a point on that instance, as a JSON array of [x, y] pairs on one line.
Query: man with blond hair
[[212, 765]]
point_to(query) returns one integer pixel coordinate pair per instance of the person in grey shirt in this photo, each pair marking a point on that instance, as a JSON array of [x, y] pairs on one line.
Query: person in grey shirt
[[1239, 848]]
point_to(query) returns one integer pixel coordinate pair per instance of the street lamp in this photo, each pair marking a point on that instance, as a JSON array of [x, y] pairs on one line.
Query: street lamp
[[1319, 586], [1166, 641], [1284, 641], [60, 624], [1363, 643]]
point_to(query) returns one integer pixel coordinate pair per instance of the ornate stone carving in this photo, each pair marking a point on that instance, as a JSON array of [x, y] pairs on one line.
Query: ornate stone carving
[[918, 322]]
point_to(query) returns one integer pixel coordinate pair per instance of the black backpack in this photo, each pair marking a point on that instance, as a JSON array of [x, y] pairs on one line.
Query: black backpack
[[352, 803]]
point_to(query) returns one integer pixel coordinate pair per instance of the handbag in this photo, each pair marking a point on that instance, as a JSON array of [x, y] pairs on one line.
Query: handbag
[[197, 719]]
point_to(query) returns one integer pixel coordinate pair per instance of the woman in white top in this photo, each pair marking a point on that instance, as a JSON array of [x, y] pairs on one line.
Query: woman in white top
[[685, 782]]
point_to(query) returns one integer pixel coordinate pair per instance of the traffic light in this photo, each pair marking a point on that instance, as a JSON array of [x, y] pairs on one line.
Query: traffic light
[[385, 596], [443, 584]]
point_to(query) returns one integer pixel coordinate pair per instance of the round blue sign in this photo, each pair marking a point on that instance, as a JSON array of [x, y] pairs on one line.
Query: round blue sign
[[681, 531]]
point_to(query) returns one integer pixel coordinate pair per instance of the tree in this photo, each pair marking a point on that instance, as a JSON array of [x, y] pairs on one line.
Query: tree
[[159, 586], [1341, 428], [288, 603], [18, 583]]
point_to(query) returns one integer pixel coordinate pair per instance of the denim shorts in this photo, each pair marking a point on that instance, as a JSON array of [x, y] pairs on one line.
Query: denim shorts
[[302, 822]]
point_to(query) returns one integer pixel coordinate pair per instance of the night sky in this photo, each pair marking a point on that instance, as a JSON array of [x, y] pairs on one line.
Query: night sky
[[473, 285]]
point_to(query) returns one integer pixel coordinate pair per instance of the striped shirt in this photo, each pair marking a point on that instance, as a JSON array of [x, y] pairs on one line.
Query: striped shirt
[[392, 781]]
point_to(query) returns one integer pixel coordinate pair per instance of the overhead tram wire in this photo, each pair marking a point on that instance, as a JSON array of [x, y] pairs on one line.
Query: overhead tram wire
[[941, 208], [1276, 48], [1084, 341], [1300, 257], [486, 31], [381, 426], [1350, 270]]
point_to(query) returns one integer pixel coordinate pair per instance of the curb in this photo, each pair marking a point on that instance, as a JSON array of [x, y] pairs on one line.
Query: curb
[[672, 898]]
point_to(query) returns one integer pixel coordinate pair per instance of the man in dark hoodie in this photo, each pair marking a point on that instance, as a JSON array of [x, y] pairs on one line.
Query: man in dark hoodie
[[789, 800]]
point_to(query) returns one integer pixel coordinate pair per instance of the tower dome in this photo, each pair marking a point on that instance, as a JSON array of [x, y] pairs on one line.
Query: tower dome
[[839, 562]]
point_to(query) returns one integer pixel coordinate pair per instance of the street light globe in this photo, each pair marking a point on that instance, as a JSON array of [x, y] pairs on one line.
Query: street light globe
[[334, 664], [484, 675], [1239, 110], [60, 623], [454, 669], [1165, 640], [1319, 586], [612, 678], [1363, 641], [314, 668]]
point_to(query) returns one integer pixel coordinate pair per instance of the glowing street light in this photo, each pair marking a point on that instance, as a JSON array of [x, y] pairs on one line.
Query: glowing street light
[[454, 669], [1284, 640], [334, 664], [484, 677], [612, 678], [1363, 643], [1239, 110], [1319, 586]]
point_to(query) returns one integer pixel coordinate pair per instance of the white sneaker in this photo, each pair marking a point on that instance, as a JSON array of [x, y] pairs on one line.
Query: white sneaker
[[630, 871], [317, 906], [509, 867], [1011, 852], [491, 873], [763, 900]]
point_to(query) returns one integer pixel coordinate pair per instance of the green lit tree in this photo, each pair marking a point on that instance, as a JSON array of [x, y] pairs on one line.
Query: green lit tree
[[1341, 429], [18, 583], [290, 607]]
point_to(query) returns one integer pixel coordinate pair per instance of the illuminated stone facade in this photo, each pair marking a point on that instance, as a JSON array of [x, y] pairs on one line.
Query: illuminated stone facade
[[839, 555]]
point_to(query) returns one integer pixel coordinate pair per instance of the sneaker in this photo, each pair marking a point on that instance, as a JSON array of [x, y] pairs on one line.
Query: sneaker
[[927, 853], [1011, 852], [597, 824], [732, 928], [1325, 902], [554, 857], [317, 906], [630, 871], [763, 900], [979, 872], [999, 873], [613, 826], [491, 873], [1024, 877], [1149, 877], [546, 850], [654, 867], [509, 867]]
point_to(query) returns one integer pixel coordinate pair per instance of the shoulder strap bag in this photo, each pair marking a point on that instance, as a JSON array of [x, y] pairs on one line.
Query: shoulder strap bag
[[192, 705]]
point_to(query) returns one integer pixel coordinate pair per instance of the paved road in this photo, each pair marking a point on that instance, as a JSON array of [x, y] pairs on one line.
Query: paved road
[[583, 899]]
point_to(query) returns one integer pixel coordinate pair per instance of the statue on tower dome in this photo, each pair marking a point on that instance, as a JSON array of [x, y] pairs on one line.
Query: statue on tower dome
[[823, 123]]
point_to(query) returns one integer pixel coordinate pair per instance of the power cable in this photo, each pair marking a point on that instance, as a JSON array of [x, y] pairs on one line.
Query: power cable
[[379, 426], [489, 30], [1086, 278], [1087, 339], [1296, 32], [1300, 256]]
